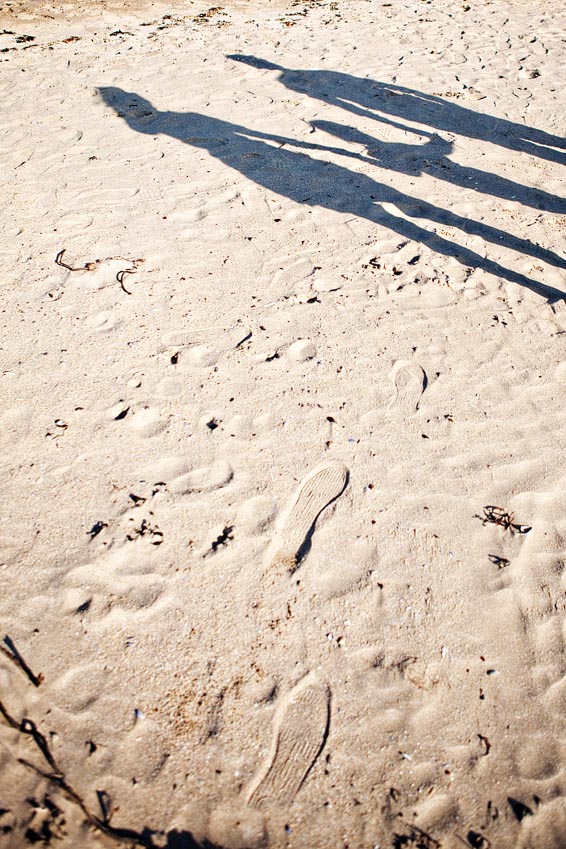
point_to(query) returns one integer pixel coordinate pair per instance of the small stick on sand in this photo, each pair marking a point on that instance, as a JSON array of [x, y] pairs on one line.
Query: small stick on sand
[[14, 655]]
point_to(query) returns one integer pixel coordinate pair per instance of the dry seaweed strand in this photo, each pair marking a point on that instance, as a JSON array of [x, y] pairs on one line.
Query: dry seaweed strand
[[88, 266], [120, 278], [499, 516], [57, 777]]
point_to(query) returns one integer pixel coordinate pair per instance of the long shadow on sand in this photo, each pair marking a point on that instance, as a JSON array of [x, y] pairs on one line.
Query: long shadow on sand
[[374, 99], [147, 838], [432, 159], [267, 160]]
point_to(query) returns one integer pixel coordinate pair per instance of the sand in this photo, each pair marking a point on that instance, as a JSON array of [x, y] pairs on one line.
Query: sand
[[282, 425]]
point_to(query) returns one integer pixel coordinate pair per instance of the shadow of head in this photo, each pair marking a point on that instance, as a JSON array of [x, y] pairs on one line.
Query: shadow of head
[[133, 108], [185, 840], [254, 61], [146, 838]]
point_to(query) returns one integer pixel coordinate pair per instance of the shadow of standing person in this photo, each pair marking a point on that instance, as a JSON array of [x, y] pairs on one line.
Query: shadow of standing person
[[432, 158]]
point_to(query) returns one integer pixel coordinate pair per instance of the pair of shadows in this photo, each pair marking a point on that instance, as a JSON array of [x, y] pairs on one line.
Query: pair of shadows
[[268, 160], [377, 100], [373, 99]]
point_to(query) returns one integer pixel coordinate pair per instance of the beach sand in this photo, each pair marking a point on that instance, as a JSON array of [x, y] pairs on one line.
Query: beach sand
[[283, 428]]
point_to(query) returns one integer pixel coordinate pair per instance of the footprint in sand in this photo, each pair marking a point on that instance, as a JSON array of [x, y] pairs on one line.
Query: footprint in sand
[[299, 734], [315, 492], [202, 348], [147, 421], [102, 322], [181, 479], [409, 380], [342, 566], [206, 479]]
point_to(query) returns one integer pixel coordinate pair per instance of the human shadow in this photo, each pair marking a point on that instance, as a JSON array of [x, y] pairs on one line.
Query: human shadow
[[149, 838], [185, 840], [432, 158], [267, 160], [377, 100]]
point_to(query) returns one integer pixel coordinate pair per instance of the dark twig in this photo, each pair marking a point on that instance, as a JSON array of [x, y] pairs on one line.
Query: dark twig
[[500, 562], [27, 726], [14, 655], [57, 777], [105, 805], [9, 719]]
